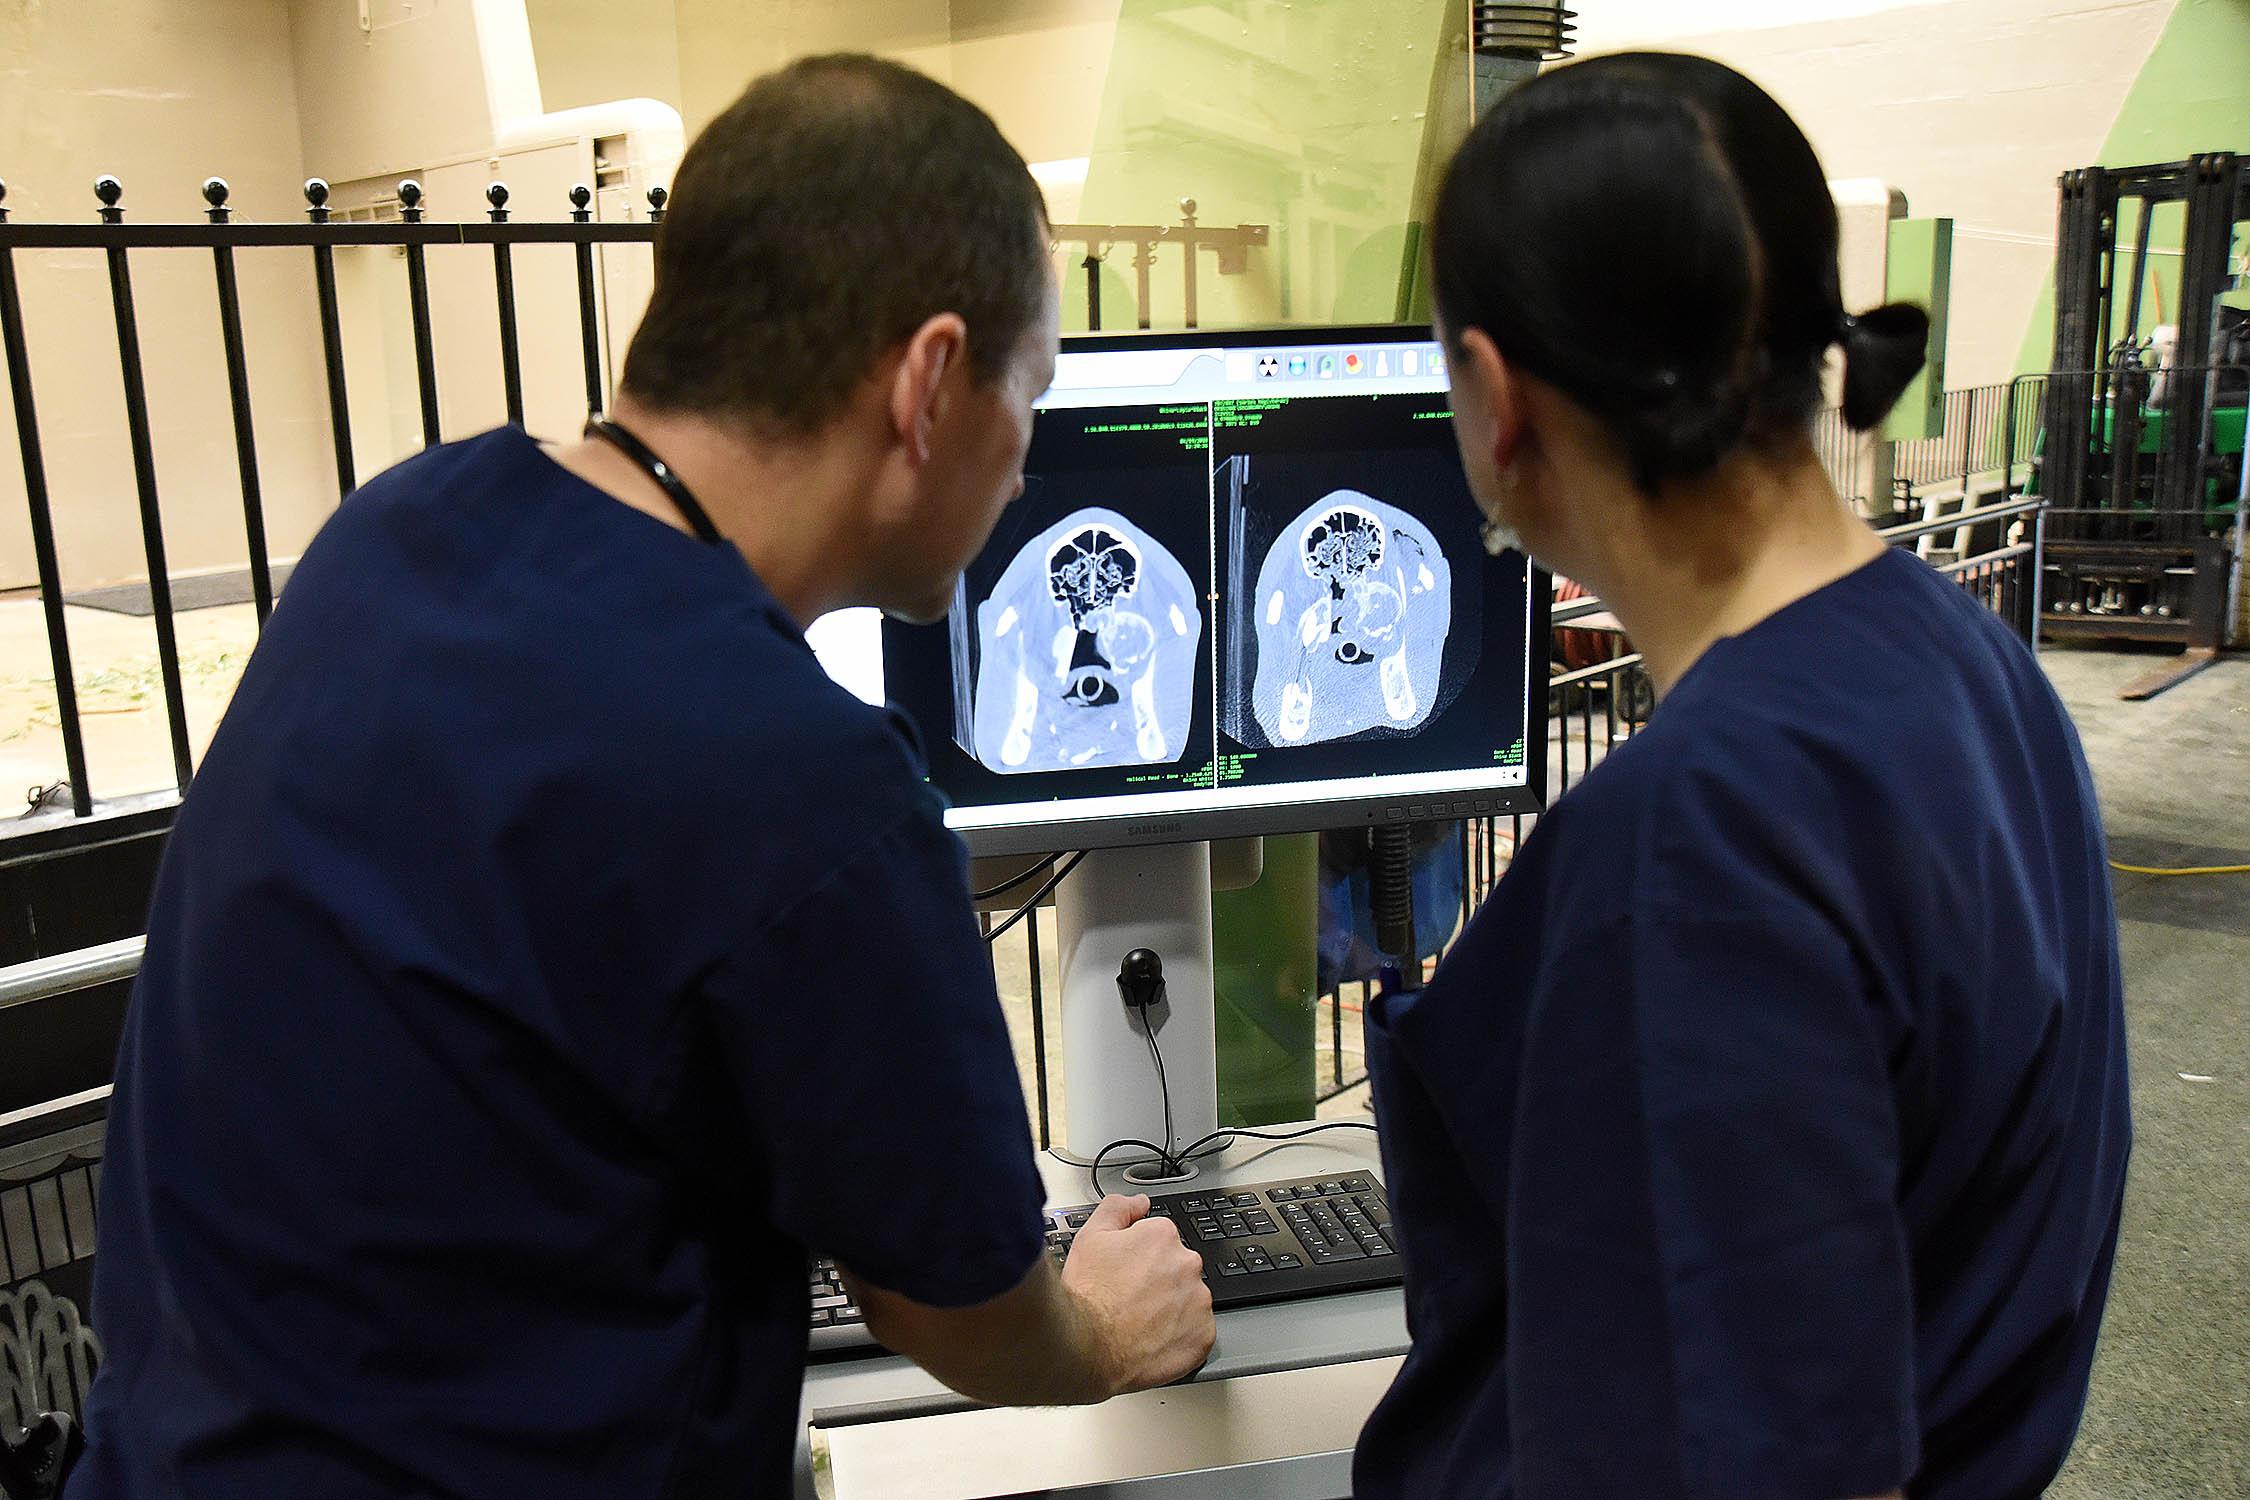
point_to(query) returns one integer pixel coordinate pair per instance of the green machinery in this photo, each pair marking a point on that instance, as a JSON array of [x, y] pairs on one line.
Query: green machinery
[[2141, 461]]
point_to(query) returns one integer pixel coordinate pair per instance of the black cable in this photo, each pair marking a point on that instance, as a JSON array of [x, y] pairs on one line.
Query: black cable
[[1032, 871], [1181, 1160], [1172, 1164], [1037, 896]]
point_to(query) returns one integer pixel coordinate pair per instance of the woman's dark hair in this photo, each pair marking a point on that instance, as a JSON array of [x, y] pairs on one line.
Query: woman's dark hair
[[1651, 234]]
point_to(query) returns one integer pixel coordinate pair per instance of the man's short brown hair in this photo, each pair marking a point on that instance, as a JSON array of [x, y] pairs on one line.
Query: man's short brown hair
[[833, 209]]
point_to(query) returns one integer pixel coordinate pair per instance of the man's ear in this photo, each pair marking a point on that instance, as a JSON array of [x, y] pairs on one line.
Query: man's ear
[[918, 389], [1494, 385]]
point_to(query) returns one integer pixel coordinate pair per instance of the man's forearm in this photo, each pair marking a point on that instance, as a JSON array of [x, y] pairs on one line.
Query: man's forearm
[[1031, 1346]]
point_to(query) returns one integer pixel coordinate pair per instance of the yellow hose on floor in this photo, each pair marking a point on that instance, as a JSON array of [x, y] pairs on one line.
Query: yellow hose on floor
[[2184, 870]]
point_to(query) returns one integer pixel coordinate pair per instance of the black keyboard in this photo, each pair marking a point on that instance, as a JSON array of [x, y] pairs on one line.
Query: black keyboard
[[1267, 1242]]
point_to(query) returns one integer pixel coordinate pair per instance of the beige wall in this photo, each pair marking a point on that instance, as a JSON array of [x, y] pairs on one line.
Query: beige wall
[[1971, 107], [592, 51], [726, 43], [407, 90], [162, 93]]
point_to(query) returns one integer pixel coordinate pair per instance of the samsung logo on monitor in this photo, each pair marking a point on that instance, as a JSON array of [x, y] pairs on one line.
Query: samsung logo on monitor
[[1149, 830]]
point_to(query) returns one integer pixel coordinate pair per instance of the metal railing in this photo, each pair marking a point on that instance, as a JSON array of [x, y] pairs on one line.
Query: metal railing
[[413, 234]]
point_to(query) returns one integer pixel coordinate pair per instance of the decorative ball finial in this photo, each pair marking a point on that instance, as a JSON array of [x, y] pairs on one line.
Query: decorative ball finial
[[496, 194], [3, 202], [316, 192], [215, 191], [1187, 208], [580, 197], [410, 200], [657, 198], [109, 190]]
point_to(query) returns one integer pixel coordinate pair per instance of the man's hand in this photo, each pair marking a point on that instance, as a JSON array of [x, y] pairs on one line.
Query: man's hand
[[1143, 1293], [1130, 1311]]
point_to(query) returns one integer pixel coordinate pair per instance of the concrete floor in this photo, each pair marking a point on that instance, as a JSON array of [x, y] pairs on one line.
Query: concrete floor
[[2169, 1415]]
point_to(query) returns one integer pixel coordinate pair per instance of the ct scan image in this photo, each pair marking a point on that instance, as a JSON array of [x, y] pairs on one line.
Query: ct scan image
[[1352, 606], [1086, 651]]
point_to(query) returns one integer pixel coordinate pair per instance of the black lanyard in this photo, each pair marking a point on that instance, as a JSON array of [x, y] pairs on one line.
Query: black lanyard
[[691, 509]]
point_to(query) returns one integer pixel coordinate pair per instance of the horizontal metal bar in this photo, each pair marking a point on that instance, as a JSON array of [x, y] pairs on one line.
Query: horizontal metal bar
[[210, 236], [1567, 610], [1985, 560], [1598, 669], [79, 969], [1961, 518], [62, 1106]]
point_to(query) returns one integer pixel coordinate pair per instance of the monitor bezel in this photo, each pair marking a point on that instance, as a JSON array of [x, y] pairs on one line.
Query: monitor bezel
[[1124, 830]]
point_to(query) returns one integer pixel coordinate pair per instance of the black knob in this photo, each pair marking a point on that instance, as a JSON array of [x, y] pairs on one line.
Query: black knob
[[497, 195], [410, 200], [657, 198], [215, 193], [580, 196], [109, 190], [316, 192]]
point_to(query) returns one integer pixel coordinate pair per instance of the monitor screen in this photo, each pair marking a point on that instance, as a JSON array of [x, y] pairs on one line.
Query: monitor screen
[[1243, 592]]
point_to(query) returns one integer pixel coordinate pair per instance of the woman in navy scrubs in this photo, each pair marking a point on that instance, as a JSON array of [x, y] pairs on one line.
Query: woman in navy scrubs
[[1764, 1136]]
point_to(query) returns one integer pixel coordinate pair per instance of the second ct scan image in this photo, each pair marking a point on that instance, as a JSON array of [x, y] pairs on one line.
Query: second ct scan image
[[1350, 609]]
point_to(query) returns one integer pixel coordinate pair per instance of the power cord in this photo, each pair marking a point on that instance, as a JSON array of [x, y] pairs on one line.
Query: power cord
[[1037, 896], [2181, 869], [1032, 871], [1176, 1164]]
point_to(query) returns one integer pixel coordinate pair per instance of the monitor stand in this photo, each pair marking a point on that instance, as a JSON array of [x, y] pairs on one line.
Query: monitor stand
[[1158, 897]]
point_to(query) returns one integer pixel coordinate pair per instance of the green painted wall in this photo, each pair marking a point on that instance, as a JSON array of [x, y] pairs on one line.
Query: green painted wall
[[2193, 95], [1321, 118]]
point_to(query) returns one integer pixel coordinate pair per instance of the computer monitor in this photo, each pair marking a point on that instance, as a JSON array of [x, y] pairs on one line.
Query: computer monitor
[[1244, 592]]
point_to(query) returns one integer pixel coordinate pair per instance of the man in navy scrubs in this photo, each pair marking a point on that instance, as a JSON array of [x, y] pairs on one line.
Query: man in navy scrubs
[[549, 955]]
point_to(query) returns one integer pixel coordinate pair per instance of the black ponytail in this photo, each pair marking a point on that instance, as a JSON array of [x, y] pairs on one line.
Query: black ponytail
[[1883, 352], [1651, 234]]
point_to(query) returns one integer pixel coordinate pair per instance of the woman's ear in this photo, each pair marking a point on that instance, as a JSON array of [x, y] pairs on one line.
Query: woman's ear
[[1484, 382]]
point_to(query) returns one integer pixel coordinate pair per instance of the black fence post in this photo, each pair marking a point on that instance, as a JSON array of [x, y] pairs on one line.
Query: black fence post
[[589, 326], [331, 340], [504, 284], [110, 191], [42, 526], [418, 302], [238, 395]]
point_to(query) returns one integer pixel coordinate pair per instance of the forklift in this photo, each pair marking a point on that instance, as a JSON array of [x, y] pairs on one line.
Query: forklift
[[2140, 450]]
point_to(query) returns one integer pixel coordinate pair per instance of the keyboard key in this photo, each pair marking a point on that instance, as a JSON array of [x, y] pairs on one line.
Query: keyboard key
[[1331, 1189], [822, 1317], [1209, 1232], [1281, 1195], [850, 1315], [830, 1299], [1192, 1205], [1078, 1219], [1286, 1262], [1357, 1185], [1232, 1268], [1245, 1200]]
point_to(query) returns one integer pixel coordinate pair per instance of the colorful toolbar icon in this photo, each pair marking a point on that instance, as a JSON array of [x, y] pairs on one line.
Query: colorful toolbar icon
[[1382, 363], [1328, 367], [1409, 362], [1269, 367], [1354, 365], [1298, 366]]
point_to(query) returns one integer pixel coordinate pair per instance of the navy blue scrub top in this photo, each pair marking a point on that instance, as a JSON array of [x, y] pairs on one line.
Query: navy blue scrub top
[[1764, 1137], [547, 957]]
